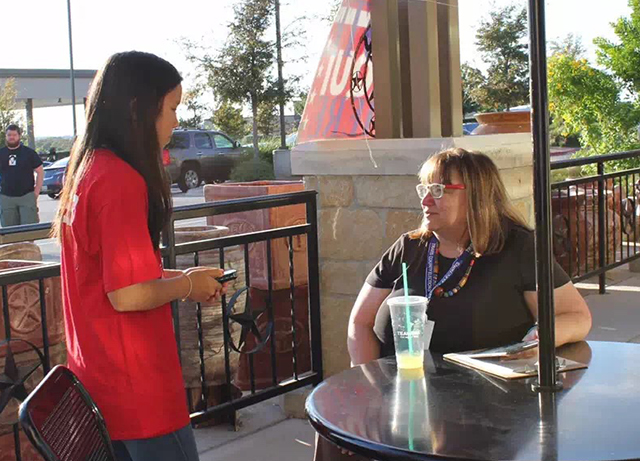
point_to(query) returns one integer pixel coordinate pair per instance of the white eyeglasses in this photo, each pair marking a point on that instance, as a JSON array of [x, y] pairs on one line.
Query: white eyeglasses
[[436, 190]]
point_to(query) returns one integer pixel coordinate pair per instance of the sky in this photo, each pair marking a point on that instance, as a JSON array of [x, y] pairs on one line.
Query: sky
[[101, 28]]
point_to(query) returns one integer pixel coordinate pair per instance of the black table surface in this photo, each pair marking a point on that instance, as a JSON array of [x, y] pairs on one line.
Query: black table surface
[[459, 413]]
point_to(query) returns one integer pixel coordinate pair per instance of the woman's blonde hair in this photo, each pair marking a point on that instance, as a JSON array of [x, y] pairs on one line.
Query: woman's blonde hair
[[488, 205]]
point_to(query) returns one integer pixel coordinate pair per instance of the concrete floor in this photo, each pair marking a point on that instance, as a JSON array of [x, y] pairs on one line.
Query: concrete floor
[[265, 434]]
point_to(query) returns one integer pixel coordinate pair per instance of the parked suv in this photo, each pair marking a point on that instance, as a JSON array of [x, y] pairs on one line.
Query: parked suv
[[198, 155]]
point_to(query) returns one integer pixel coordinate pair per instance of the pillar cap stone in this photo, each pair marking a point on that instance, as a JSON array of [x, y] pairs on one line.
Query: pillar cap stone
[[402, 156]]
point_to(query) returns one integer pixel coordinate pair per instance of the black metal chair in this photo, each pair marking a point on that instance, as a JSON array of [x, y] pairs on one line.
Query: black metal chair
[[62, 421]]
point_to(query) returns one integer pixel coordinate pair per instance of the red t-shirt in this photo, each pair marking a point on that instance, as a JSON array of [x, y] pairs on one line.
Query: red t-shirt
[[127, 361]]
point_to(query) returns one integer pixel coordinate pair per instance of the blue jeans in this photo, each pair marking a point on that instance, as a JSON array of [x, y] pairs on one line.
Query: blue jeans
[[176, 446]]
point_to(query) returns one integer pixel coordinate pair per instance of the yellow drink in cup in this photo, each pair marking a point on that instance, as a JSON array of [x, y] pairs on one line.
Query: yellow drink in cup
[[410, 374], [406, 360]]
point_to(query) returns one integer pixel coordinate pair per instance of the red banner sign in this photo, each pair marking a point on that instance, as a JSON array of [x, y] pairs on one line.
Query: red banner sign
[[340, 103]]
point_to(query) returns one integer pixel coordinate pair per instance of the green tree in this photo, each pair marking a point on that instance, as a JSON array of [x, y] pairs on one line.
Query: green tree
[[589, 102], [267, 118], [60, 144], [570, 45], [603, 106], [472, 80], [8, 107], [301, 102], [229, 120], [560, 132], [501, 40], [241, 71], [191, 99], [623, 58]]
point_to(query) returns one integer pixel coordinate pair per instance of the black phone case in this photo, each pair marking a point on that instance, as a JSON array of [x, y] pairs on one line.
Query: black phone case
[[228, 275]]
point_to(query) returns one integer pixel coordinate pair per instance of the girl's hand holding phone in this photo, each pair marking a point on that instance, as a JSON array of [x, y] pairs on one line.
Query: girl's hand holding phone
[[203, 286]]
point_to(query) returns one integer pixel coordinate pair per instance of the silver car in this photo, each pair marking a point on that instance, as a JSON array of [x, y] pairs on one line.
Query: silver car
[[199, 155]]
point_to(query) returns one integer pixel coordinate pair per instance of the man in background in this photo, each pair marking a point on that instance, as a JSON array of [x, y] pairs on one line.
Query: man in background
[[18, 189]]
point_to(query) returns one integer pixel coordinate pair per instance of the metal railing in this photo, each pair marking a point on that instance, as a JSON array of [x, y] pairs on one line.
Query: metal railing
[[252, 335], [595, 218]]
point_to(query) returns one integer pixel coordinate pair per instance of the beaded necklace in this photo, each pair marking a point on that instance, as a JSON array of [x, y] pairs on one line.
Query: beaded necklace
[[441, 292], [433, 286]]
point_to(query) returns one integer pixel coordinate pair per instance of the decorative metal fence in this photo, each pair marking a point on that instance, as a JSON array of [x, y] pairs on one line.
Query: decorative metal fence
[[596, 218], [260, 340]]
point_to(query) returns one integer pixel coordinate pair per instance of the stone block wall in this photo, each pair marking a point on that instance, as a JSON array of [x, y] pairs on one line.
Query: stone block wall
[[359, 218]]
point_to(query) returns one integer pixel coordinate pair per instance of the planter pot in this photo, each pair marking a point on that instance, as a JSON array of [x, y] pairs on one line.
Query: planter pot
[[216, 395], [283, 339], [503, 122], [25, 251], [212, 325], [250, 221], [575, 227], [26, 323], [24, 308], [7, 448]]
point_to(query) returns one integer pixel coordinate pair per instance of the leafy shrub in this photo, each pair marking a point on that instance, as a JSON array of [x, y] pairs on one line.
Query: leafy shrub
[[250, 169], [266, 148]]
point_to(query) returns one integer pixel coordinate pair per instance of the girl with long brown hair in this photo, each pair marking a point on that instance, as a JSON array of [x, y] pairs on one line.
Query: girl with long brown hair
[[116, 202]]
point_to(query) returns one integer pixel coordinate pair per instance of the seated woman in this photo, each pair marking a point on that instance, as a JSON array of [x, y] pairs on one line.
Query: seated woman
[[474, 258]]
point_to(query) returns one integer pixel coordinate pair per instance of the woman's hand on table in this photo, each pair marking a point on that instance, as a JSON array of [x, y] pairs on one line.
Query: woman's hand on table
[[572, 315]]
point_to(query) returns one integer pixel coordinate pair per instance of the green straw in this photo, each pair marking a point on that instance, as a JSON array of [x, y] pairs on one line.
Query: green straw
[[408, 311]]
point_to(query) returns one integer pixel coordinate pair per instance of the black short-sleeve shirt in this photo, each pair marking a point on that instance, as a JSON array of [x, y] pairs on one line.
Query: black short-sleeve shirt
[[488, 311], [16, 170]]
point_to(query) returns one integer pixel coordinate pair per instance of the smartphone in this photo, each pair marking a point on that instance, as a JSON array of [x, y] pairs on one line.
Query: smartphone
[[230, 274]]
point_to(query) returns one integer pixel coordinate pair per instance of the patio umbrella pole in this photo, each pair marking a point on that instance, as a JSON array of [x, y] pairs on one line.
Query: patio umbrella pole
[[283, 133], [547, 379]]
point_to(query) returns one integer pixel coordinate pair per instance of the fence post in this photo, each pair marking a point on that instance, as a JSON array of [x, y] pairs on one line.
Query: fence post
[[314, 287], [601, 228], [169, 241]]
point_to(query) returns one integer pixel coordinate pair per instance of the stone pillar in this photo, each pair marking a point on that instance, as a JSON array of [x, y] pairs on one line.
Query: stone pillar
[[422, 27], [31, 136], [364, 208], [450, 73], [405, 69], [416, 71], [386, 68]]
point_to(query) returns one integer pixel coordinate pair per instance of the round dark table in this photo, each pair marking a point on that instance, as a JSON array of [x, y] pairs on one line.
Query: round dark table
[[454, 412]]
